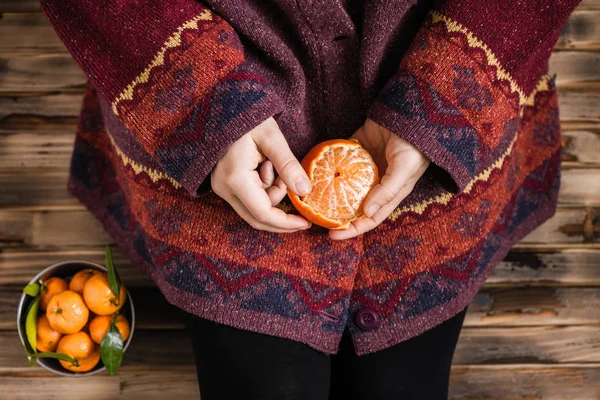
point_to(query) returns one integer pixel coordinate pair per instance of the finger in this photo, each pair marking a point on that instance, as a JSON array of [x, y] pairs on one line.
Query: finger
[[247, 216], [267, 175], [276, 192], [366, 224], [257, 202], [397, 175], [276, 149]]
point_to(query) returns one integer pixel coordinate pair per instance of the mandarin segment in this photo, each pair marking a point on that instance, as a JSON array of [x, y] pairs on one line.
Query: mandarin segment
[[342, 174]]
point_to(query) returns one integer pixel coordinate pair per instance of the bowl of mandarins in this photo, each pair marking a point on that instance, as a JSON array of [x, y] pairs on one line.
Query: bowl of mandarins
[[76, 318]]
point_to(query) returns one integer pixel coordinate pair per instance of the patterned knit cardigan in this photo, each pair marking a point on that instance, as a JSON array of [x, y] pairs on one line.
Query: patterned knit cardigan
[[174, 83]]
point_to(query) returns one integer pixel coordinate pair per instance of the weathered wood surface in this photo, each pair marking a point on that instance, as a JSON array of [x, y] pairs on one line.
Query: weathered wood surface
[[533, 267], [536, 345], [34, 172], [18, 266], [79, 228], [575, 105], [581, 31], [530, 382], [525, 306], [40, 73], [518, 382]]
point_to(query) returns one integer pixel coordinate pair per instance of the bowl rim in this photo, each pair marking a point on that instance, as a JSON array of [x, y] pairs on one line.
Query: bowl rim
[[21, 306]]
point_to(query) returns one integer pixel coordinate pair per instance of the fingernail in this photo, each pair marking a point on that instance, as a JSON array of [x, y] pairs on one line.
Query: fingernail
[[372, 209], [303, 187]]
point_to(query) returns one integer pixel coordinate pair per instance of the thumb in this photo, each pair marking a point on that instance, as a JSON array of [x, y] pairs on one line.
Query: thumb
[[273, 146]]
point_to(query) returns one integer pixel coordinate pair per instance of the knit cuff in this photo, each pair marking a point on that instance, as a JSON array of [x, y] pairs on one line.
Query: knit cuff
[[451, 102]]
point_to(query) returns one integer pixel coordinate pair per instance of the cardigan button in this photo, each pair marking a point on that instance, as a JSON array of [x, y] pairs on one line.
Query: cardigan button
[[367, 319]]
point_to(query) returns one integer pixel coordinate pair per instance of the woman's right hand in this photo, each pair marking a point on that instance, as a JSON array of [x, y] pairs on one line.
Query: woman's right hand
[[254, 194]]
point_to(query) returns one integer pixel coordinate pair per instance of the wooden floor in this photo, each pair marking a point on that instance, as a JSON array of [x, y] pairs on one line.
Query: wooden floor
[[532, 333]]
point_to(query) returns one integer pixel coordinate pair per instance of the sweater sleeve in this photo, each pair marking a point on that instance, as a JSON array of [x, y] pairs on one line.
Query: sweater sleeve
[[467, 77], [174, 73]]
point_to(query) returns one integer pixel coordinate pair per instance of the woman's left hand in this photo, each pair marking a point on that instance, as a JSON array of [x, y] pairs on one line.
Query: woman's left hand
[[403, 165]]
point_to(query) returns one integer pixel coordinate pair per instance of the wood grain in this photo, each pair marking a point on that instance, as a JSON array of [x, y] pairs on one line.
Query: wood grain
[[517, 306], [575, 66], [582, 146], [537, 267], [164, 349], [525, 382], [47, 72], [73, 228], [533, 266], [579, 106], [34, 172], [485, 382], [19, 265], [582, 31]]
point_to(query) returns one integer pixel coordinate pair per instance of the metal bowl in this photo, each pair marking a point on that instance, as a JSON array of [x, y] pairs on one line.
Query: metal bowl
[[66, 269]]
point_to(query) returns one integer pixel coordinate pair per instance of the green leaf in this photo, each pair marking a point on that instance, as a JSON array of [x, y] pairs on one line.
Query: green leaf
[[31, 324], [113, 278], [111, 348], [58, 356], [33, 289]]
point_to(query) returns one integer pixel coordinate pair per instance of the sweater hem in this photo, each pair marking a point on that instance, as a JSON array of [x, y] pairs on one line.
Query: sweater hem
[[306, 330]]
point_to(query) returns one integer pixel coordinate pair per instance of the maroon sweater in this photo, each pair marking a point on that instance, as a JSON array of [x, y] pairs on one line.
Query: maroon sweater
[[174, 83]]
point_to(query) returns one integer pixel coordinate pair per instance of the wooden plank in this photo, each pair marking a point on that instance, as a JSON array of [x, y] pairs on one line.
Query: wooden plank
[[34, 173], [152, 311], [579, 106], [580, 186], [71, 228], [571, 267], [525, 382], [14, 6], [130, 384], [19, 266], [524, 306], [28, 33], [24, 151], [545, 344], [48, 105], [54, 72], [567, 226], [575, 66], [534, 307], [582, 31], [46, 189], [45, 72], [577, 344], [467, 382], [582, 146]]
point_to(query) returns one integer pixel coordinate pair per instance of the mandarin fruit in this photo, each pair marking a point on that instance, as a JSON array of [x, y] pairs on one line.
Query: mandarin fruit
[[67, 313], [79, 346], [100, 325], [342, 174], [84, 364], [80, 278], [52, 286], [99, 298], [47, 338]]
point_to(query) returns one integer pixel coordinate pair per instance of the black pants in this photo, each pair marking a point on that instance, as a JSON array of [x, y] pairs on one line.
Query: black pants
[[241, 365]]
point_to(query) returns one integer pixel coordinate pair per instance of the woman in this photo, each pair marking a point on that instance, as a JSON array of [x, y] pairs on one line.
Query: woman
[[192, 110]]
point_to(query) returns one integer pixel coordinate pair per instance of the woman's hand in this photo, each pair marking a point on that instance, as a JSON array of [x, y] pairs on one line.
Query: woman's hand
[[403, 165], [254, 195]]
